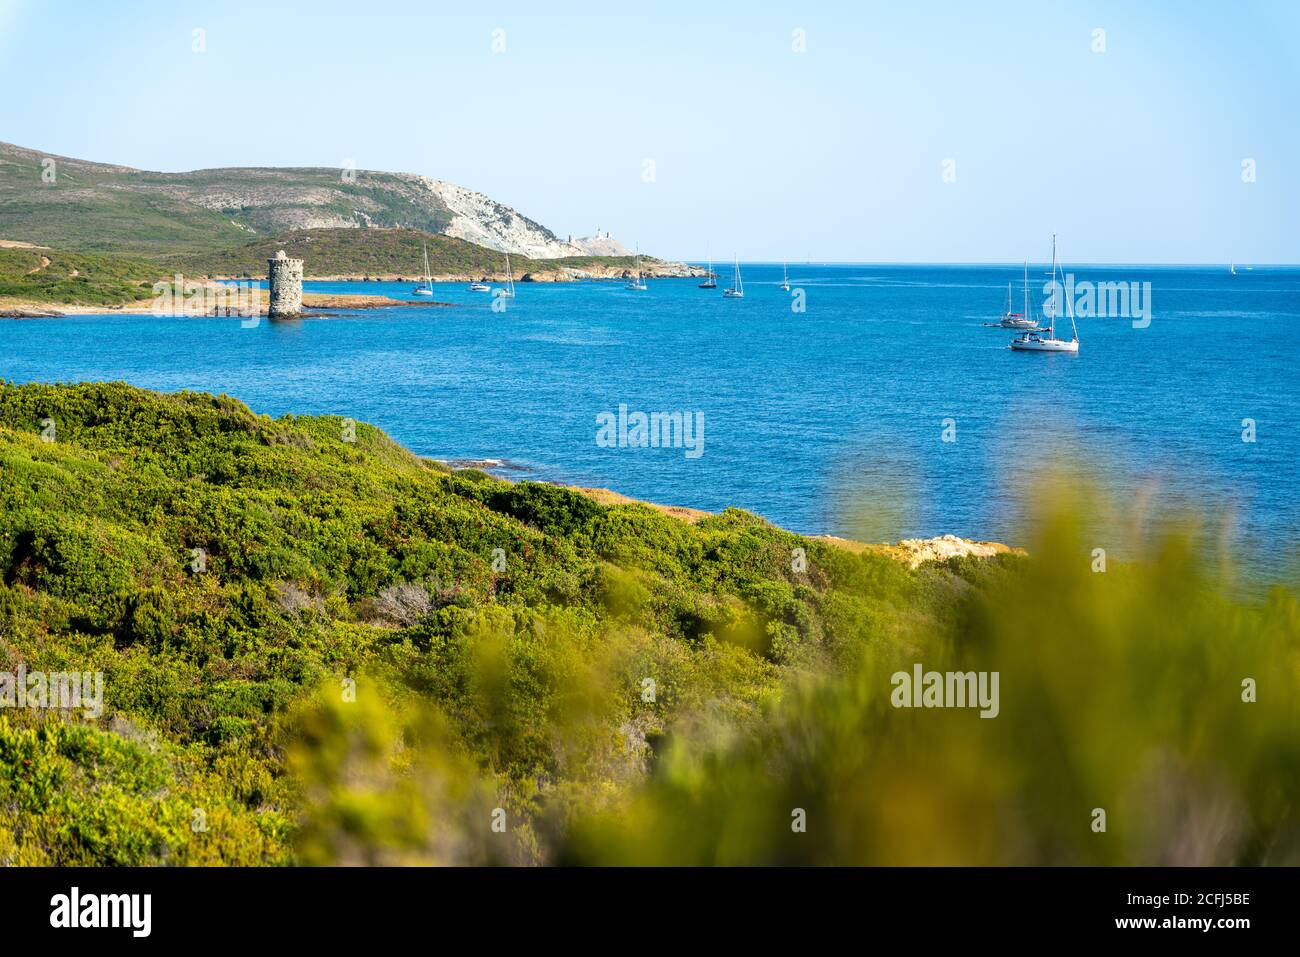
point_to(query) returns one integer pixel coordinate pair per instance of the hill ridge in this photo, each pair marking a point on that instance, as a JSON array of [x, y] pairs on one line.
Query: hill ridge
[[100, 207]]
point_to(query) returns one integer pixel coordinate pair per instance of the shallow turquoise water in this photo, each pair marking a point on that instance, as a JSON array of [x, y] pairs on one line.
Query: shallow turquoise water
[[803, 412]]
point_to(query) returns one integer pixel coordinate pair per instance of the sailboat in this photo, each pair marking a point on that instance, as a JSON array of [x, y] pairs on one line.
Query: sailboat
[[710, 281], [1016, 320], [638, 283], [427, 288], [1036, 342], [737, 290], [1232, 267], [785, 276], [509, 291]]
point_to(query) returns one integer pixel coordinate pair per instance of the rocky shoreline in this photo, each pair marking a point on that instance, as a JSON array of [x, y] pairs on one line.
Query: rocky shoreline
[[912, 552]]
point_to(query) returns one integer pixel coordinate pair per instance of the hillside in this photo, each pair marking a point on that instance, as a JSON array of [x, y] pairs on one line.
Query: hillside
[[41, 274], [32, 276], [96, 207], [323, 560], [398, 253], [323, 651]]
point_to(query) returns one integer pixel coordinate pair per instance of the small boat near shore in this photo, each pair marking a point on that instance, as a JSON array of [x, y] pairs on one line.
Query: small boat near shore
[[427, 288], [710, 278], [479, 286], [637, 283], [509, 291]]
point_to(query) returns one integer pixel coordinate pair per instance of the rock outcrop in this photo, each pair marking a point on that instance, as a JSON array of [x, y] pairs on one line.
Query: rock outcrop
[[483, 221]]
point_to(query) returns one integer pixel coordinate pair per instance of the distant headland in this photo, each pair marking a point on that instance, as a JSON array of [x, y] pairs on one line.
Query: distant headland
[[76, 233]]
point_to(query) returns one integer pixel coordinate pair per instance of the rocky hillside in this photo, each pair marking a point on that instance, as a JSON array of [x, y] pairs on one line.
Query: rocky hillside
[[96, 207], [398, 254], [602, 244]]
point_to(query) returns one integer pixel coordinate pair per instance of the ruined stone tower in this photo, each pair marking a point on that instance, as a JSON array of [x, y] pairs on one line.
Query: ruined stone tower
[[284, 276]]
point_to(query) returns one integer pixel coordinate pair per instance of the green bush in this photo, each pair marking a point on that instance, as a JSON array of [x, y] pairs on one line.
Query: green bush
[[308, 650]]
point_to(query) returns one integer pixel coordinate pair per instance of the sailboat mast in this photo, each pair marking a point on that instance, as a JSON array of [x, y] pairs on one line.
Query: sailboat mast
[[1069, 306], [1051, 317], [1026, 288]]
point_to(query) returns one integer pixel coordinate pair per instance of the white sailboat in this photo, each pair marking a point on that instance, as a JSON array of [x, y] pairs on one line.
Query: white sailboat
[[1016, 320], [785, 276], [710, 281], [509, 291], [737, 290], [1035, 341], [427, 288], [637, 283], [1232, 267]]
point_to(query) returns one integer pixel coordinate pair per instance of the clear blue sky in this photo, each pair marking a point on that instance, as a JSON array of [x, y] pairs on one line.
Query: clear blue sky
[[1132, 155]]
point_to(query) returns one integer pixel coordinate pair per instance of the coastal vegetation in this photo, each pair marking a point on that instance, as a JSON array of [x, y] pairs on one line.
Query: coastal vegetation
[[38, 274], [320, 648], [380, 252]]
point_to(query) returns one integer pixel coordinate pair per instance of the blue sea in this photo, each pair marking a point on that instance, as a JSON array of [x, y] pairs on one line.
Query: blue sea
[[827, 420]]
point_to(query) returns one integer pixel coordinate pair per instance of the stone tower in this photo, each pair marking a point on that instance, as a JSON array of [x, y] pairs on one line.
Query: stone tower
[[284, 276]]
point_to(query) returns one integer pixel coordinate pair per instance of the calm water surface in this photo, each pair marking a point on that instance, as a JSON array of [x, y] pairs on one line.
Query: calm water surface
[[805, 414]]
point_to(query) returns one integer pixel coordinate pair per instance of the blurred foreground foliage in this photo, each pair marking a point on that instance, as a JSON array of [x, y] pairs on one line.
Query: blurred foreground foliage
[[350, 676]]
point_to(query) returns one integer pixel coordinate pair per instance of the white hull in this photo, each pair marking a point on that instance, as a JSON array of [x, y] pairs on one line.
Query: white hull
[[422, 292], [1045, 345], [479, 287]]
